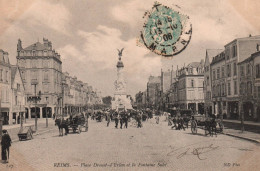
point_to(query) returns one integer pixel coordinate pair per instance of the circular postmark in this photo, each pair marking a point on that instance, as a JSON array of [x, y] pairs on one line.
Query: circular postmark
[[166, 32]]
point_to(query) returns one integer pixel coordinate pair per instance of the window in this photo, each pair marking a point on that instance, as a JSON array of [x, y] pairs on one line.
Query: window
[[242, 70], [18, 87], [249, 87], [1, 75], [46, 76], [218, 73], [235, 68], [223, 89], [16, 100], [227, 53], [23, 75], [248, 69], [34, 75], [235, 87], [207, 80], [34, 63], [192, 83], [257, 70], [241, 88], [228, 70], [45, 63], [234, 51], [223, 72], [229, 89], [6, 77], [214, 75]]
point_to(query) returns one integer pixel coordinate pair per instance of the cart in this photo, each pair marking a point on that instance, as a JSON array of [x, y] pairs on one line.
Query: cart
[[203, 122], [25, 133], [77, 123]]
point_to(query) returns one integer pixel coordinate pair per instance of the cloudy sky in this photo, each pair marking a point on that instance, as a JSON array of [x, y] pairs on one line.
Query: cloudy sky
[[87, 34]]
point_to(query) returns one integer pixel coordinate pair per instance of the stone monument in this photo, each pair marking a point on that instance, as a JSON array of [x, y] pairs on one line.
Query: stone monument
[[121, 100]]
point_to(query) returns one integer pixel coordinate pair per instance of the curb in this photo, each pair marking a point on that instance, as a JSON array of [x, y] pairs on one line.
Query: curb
[[245, 138], [37, 133]]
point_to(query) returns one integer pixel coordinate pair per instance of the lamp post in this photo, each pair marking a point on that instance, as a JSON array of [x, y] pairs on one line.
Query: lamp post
[[46, 112], [35, 99]]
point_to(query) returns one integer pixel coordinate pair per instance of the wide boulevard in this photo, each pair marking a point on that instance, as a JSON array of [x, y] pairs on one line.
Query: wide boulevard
[[152, 147]]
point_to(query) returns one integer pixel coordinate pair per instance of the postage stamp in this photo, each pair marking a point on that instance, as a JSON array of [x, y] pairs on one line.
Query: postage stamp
[[166, 32]]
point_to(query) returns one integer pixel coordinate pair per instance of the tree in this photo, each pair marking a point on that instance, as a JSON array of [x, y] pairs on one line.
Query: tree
[[107, 100]]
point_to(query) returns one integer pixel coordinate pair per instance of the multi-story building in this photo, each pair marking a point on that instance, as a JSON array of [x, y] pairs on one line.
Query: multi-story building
[[153, 91], [41, 71], [17, 96], [218, 83], [249, 83], [5, 86], [190, 87], [210, 53], [235, 52], [12, 91]]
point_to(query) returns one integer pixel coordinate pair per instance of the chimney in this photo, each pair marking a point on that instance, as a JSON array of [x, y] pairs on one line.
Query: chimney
[[45, 43], [19, 45]]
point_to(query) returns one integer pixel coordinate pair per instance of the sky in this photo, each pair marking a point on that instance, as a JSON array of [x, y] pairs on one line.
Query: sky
[[88, 33]]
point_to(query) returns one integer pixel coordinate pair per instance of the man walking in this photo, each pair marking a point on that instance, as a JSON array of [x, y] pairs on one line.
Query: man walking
[[5, 143], [116, 120], [108, 119]]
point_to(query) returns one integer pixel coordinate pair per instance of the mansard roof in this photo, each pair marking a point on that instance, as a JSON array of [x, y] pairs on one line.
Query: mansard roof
[[36, 46]]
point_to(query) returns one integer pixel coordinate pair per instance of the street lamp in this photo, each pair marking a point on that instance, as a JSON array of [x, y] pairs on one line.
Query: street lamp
[[35, 99]]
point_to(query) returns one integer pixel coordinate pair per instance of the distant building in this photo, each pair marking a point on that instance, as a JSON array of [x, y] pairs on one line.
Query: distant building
[[153, 91], [190, 87], [41, 65], [218, 84], [210, 53]]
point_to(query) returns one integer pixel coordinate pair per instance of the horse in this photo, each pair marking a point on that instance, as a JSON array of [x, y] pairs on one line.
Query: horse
[[62, 124], [211, 126]]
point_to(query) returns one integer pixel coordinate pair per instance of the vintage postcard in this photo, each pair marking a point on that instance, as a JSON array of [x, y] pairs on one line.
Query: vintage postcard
[[129, 85]]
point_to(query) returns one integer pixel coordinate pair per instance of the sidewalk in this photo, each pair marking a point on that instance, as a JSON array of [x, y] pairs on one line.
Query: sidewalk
[[41, 126], [250, 136]]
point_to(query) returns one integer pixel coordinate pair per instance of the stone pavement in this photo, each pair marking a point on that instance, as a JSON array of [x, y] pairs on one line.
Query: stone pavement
[[41, 126], [250, 136], [152, 147]]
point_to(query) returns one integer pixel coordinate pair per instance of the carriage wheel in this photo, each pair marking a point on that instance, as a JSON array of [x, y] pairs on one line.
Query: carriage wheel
[[193, 127]]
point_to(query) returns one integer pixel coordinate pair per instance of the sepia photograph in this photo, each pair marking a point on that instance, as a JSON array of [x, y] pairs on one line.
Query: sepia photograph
[[129, 85]]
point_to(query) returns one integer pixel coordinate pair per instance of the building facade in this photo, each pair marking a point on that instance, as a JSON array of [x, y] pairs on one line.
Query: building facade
[[41, 71], [249, 83], [190, 87], [153, 91], [218, 83], [235, 52], [210, 53]]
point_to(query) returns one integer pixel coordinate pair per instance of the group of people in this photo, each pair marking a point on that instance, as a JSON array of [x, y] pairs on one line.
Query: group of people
[[178, 122]]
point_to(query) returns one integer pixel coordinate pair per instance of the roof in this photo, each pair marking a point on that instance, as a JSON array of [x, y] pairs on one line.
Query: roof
[[36, 46], [212, 53], [244, 38], [195, 64], [254, 55], [4, 57]]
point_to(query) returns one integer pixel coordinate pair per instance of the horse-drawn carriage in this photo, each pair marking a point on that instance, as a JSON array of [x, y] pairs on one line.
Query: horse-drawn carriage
[[209, 124], [75, 122]]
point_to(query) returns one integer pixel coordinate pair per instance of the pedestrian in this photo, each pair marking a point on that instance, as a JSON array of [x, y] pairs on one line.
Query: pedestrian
[[116, 120], [157, 119], [6, 144], [121, 120], [108, 119], [126, 120], [53, 116], [138, 119]]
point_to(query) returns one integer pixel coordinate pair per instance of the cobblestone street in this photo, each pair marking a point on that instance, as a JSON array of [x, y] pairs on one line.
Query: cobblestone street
[[152, 147]]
